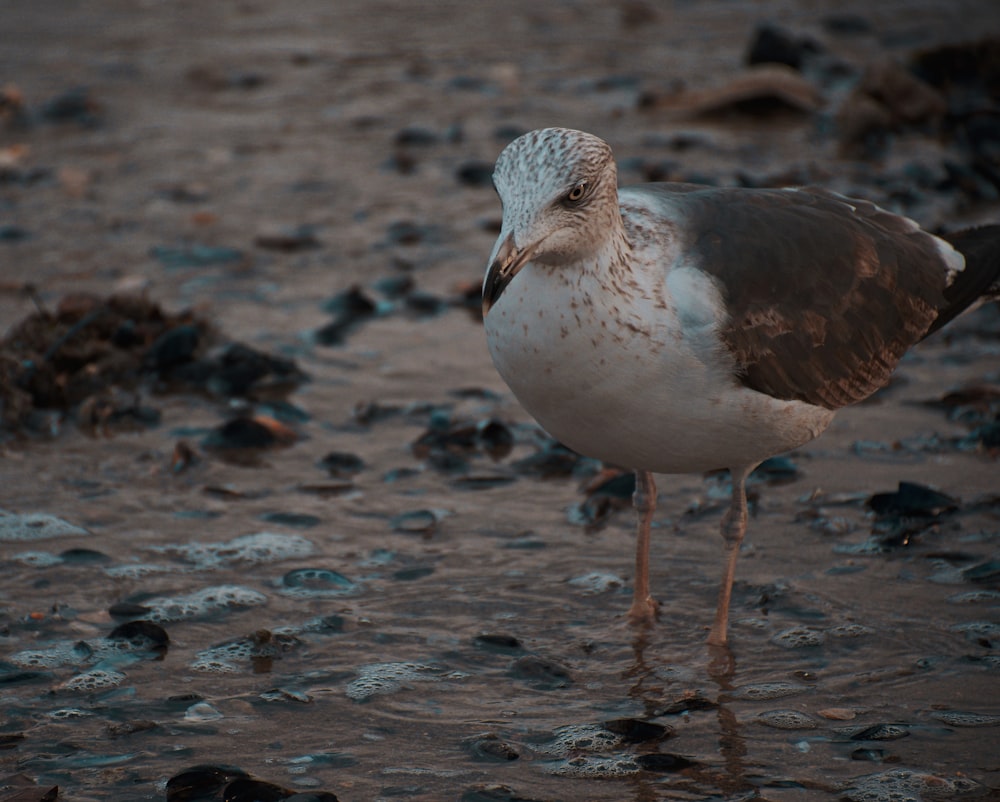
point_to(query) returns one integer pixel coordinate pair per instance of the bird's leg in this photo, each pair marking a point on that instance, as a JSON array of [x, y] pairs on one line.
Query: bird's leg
[[734, 526], [644, 608]]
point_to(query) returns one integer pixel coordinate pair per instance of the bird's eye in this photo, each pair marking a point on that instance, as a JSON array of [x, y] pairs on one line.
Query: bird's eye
[[577, 192]]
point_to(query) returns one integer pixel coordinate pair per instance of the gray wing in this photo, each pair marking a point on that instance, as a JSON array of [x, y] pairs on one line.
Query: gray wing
[[825, 293]]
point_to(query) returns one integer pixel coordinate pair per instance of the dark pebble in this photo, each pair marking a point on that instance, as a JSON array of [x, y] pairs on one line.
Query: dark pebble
[[240, 371], [331, 624], [72, 106], [341, 464], [636, 730], [987, 435], [476, 393], [12, 233], [621, 486], [541, 673], [351, 308], [612, 494], [912, 499], [663, 762], [772, 45], [200, 782], [870, 755], [777, 470], [495, 437], [173, 347], [247, 790], [476, 174], [686, 704], [127, 610], [288, 239], [27, 177], [498, 642], [215, 80], [658, 170], [490, 747], [423, 304], [142, 634], [445, 443], [410, 574], [369, 412], [472, 83], [881, 732], [337, 332], [244, 433], [299, 520], [81, 556], [416, 135], [553, 460], [352, 302], [969, 64], [187, 699], [123, 729]]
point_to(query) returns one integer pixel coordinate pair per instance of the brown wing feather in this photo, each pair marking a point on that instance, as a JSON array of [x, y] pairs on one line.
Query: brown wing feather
[[825, 294]]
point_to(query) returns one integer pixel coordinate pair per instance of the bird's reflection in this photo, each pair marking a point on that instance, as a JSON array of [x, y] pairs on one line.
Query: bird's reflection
[[649, 688]]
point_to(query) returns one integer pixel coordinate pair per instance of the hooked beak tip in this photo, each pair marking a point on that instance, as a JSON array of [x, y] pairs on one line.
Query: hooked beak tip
[[506, 264]]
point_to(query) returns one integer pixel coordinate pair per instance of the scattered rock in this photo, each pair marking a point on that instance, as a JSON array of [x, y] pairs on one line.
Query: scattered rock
[[351, 309], [637, 731], [490, 747], [540, 673], [342, 464], [258, 432], [772, 45], [76, 105], [476, 174], [911, 500], [498, 642], [288, 239], [663, 762]]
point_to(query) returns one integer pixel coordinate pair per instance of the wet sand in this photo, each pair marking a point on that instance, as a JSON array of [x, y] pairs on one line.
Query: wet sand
[[214, 124]]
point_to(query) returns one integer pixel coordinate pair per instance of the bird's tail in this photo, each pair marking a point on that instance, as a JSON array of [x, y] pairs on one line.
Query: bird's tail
[[980, 280]]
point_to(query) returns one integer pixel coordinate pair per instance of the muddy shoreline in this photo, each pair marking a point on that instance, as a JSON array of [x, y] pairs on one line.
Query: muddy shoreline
[[350, 614]]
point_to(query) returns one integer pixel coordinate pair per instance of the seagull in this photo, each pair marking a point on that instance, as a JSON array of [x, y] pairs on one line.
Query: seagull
[[677, 328]]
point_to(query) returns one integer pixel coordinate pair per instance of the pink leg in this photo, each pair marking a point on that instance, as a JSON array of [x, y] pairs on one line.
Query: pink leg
[[644, 607], [734, 526]]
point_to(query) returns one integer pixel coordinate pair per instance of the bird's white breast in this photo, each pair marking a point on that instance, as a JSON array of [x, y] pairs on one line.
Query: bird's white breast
[[631, 371]]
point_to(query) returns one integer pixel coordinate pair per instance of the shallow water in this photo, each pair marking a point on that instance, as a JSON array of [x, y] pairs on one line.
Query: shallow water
[[318, 640]]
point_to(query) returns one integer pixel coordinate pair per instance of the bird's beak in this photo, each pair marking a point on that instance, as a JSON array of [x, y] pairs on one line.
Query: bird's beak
[[507, 262]]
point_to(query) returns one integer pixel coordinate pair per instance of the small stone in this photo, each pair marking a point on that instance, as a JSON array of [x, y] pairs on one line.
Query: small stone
[[540, 672]]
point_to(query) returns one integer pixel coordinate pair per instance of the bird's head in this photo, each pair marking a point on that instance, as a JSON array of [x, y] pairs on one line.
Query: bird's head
[[557, 186]]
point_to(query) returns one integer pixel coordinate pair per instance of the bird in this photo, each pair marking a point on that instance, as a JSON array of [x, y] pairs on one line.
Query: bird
[[679, 328]]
